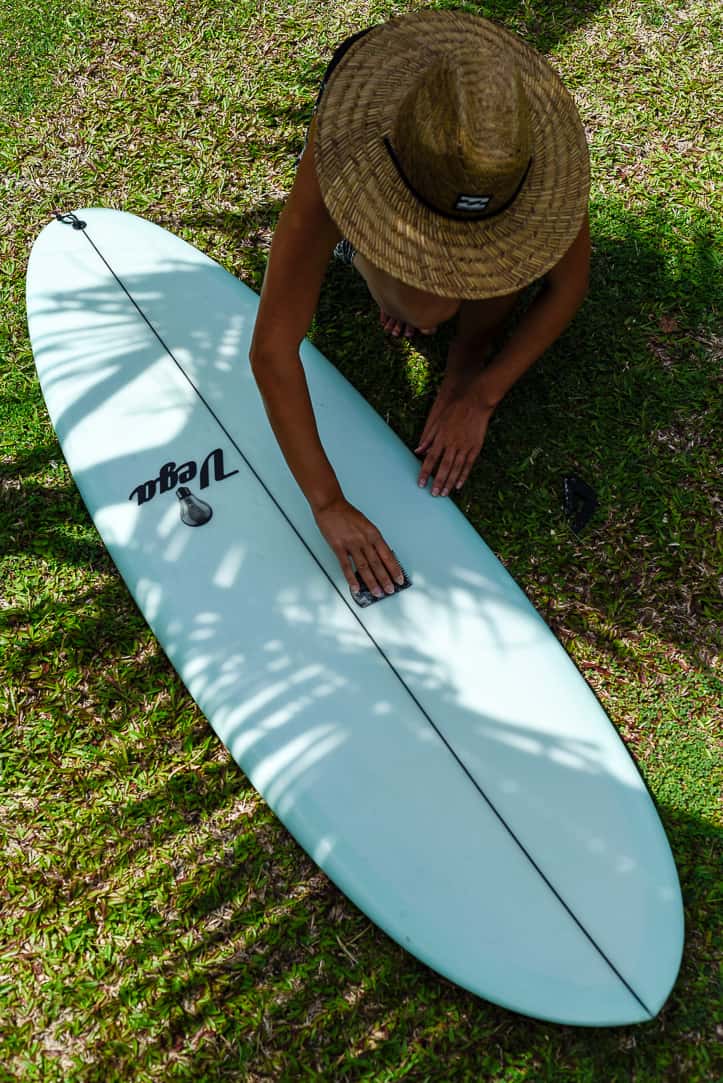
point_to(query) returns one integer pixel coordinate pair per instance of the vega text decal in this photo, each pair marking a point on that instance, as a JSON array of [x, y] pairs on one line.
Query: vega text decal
[[170, 475]]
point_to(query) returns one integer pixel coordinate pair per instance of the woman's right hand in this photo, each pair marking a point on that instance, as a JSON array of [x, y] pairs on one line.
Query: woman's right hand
[[355, 539]]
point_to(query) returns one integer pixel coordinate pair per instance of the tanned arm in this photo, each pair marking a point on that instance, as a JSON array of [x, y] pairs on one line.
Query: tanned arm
[[455, 431], [303, 242], [547, 317], [300, 251]]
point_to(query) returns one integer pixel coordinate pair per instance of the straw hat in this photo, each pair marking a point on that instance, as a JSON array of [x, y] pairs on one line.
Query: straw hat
[[451, 156]]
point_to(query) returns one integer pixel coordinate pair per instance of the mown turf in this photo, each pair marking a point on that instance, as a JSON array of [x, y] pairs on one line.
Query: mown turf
[[157, 921]]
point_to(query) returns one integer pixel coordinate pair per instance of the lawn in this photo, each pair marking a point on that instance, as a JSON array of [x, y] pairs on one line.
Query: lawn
[[158, 923]]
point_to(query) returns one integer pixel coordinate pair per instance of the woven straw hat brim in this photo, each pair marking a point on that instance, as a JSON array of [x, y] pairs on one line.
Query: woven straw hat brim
[[375, 210]]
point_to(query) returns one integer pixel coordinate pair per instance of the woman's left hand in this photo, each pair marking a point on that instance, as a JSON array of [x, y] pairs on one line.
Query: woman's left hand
[[452, 439]]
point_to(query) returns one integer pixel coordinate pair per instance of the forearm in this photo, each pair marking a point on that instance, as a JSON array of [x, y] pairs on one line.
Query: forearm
[[542, 324], [285, 393]]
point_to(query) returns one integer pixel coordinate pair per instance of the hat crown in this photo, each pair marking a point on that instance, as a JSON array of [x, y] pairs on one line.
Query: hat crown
[[408, 149], [462, 134]]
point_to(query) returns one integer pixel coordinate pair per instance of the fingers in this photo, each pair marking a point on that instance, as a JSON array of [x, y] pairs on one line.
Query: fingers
[[347, 568], [425, 439], [430, 429], [446, 394], [435, 454], [450, 468], [451, 441], [359, 547], [375, 573], [428, 465], [466, 469], [375, 563], [448, 472], [431, 426]]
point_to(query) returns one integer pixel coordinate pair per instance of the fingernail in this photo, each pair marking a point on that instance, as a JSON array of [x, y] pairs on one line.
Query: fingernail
[[445, 492], [422, 483], [399, 581], [435, 492]]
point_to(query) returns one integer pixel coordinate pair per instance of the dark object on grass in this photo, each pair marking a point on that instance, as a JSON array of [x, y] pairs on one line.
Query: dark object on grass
[[580, 502]]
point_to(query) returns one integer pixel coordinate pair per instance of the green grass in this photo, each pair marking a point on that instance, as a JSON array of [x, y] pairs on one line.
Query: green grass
[[157, 921]]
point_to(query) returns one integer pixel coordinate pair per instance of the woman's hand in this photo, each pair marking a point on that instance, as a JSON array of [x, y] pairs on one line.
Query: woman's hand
[[358, 544], [453, 435]]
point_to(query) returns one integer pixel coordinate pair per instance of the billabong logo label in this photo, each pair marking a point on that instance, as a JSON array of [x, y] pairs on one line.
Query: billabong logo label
[[170, 475], [472, 203]]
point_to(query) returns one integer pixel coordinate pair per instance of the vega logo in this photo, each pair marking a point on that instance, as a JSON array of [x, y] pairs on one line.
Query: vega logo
[[194, 512]]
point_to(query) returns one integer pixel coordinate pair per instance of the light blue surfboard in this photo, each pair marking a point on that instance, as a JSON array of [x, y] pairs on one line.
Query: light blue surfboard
[[437, 754]]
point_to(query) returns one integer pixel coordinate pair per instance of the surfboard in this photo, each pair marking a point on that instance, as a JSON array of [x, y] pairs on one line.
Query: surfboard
[[437, 753]]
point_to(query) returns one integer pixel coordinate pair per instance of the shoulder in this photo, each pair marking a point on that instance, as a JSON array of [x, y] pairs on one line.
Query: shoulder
[[302, 244], [577, 258], [305, 199]]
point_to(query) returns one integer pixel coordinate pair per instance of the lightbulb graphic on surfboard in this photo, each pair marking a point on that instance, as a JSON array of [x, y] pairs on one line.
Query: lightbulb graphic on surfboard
[[194, 511], [438, 754]]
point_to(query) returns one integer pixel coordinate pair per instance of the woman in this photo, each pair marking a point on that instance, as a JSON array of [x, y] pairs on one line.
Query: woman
[[447, 162]]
